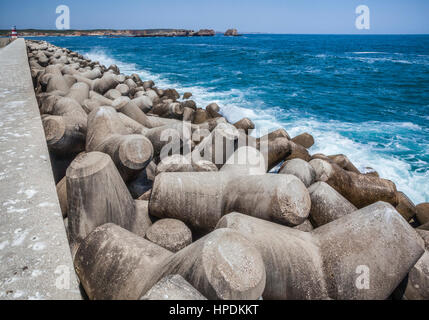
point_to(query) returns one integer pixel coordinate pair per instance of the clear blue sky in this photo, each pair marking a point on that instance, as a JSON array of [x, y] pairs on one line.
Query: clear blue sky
[[271, 16]]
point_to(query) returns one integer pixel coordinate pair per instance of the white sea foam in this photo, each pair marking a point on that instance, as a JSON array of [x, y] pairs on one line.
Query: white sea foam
[[369, 52], [394, 58], [235, 105], [329, 141], [373, 60]]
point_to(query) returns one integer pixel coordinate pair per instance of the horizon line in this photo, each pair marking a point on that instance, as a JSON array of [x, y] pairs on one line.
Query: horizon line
[[217, 32]]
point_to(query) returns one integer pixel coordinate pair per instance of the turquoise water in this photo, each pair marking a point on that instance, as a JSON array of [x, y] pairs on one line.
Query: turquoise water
[[364, 96]]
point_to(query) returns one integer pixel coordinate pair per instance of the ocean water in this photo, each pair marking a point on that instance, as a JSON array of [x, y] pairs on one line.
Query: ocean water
[[364, 96]]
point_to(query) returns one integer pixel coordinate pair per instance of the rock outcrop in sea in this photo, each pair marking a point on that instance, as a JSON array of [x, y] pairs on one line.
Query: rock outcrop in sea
[[231, 32], [161, 196]]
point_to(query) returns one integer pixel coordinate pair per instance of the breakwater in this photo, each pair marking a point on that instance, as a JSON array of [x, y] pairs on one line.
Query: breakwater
[[137, 212]]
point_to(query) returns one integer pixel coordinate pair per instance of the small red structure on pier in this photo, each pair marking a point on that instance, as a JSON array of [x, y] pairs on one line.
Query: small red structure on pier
[[14, 34]]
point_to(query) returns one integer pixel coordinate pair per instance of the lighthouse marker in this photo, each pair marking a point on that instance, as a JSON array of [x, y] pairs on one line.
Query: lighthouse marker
[[14, 34]]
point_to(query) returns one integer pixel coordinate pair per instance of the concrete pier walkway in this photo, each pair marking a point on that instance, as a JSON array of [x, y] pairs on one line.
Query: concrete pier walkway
[[35, 260]]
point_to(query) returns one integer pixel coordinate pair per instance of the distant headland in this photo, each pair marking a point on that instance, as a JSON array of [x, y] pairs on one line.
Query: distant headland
[[119, 33]]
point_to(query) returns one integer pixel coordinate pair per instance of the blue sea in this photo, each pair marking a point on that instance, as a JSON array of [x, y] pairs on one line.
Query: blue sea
[[364, 96]]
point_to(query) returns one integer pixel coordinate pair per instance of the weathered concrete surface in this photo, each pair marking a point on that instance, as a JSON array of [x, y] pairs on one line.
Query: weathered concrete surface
[[35, 259], [4, 42], [173, 287]]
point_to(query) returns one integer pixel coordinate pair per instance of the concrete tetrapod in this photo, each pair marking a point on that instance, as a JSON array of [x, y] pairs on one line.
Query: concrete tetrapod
[[129, 108], [218, 146], [301, 169], [143, 102], [416, 285], [342, 161], [173, 135], [170, 138], [179, 163], [173, 287], [90, 74], [275, 146], [298, 151], [113, 94], [211, 124], [277, 150], [123, 89], [423, 213], [200, 199], [55, 82], [327, 204], [101, 85], [305, 139], [96, 194], [168, 109], [65, 125], [361, 190], [175, 163], [131, 153], [79, 92], [200, 116], [213, 110], [405, 206], [225, 138], [188, 114], [418, 280], [332, 261], [245, 124], [170, 234], [113, 263]]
